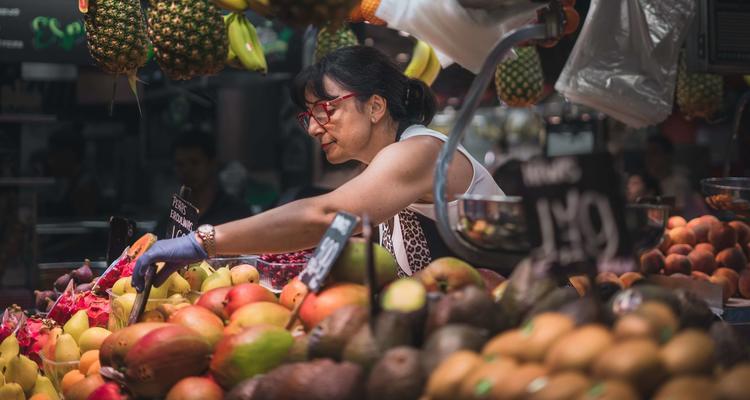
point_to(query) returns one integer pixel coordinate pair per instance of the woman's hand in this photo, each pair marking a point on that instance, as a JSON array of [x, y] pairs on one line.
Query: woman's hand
[[175, 253]]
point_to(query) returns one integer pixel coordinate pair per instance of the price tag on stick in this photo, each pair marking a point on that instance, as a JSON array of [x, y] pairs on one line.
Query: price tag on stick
[[372, 279], [121, 231], [574, 211], [182, 219], [328, 250]]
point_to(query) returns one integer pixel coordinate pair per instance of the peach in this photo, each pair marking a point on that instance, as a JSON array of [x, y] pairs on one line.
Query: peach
[[722, 236], [700, 276], [683, 249], [710, 219], [665, 243], [702, 261], [629, 278], [731, 258], [581, 284], [744, 283], [682, 235], [652, 262], [675, 221], [677, 263], [700, 228], [743, 231], [705, 247], [722, 281], [732, 276], [604, 277]]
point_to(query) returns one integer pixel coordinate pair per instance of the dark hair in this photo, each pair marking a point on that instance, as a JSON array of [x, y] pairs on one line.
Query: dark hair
[[196, 139], [367, 71]]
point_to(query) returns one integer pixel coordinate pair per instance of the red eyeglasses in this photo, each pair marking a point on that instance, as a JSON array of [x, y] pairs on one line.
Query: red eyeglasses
[[320, 111]]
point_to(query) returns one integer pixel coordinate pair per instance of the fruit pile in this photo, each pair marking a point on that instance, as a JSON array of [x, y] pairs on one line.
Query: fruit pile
[[707, 249]]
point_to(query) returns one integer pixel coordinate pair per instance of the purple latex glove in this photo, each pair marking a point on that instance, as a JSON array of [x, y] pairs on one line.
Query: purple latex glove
[[175, 253]]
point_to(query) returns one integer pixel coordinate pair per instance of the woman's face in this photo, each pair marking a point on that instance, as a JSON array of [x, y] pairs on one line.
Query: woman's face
[[347, 132]]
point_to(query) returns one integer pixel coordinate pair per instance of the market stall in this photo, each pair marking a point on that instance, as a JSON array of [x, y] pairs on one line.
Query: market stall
[[567, 289]]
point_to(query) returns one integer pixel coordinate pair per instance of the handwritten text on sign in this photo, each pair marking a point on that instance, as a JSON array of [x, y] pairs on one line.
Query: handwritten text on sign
[[329, 248], [574, 209], [182, 217]]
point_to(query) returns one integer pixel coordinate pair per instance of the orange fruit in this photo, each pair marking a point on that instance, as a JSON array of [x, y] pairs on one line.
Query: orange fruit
[[87, 359], [94, 368], [70, 379]]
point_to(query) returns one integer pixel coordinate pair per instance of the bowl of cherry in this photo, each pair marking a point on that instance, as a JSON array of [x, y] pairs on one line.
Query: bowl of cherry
[[276, 270]]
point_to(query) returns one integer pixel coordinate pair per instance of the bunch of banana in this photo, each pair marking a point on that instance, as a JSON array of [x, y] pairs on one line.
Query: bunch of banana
[[424, 64], [245, 50], [259, 6]]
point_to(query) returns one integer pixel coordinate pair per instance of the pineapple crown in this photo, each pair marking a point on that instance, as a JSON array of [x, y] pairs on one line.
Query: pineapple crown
[[367, 71]]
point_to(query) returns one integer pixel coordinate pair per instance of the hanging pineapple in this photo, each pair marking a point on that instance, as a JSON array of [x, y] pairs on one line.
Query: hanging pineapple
[[315, 12], [331, 38], [519, 81], [698, 95], [116, 36], [189, 37]]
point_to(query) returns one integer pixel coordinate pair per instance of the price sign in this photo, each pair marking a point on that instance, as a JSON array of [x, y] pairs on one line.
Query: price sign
[[574, 210], [328, 250], [182, 217]]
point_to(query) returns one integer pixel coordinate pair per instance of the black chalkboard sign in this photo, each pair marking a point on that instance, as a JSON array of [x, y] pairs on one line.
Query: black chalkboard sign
[[328, 250], [42, 31], [574, 210], [183, 217]]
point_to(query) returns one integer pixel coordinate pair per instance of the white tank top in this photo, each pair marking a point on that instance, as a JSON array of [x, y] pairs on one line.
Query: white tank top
[[406, 236]]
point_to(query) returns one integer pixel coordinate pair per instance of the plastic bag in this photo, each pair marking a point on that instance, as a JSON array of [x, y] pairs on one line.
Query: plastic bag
[[457, 34], [625, 60]]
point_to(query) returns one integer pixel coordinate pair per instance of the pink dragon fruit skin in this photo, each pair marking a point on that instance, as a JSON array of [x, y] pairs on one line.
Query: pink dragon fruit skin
[[33, 335], [123, 268], [96, 307], [12, 317]]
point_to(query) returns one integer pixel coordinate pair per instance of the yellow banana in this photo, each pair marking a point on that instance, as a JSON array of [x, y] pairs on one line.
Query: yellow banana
[[419, 58], [241, 43], [231, 56], [256, 46], [432, 70], [232, 5]]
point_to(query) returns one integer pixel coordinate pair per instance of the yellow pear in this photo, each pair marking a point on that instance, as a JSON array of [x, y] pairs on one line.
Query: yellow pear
[[11, 391], [178, 284], [2, 378], [216, 280], [122, 286], [67, 349], [224, 271], [122, 305], [22, 370], [244, 273], [9, 349], [207, 267], [44, 386], [92, 338], [78, 323]]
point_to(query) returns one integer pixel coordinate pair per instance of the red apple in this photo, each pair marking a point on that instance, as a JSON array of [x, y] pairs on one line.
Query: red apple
[[246, 293], [448, 274], [213, 300], [317, 307]]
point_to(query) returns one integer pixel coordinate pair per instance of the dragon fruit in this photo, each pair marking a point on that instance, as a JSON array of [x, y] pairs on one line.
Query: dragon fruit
[[33, 335], [13, 317], [97, 308], [123, 268]]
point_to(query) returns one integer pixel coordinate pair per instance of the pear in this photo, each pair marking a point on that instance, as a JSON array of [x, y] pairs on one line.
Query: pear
[[160, 292], [22, 370], [195, 275], [207, 267], [224, 271], [244, 273], [9, 349], [78, 323], [92, 338], [178, 284], [123, 286], [217, 280], [67, 349], [11, 391], [44, 386], [2, 379], [122, 305]]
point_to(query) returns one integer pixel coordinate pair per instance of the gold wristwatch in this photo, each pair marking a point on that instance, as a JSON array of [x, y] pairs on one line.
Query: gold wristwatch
[[207, 233]]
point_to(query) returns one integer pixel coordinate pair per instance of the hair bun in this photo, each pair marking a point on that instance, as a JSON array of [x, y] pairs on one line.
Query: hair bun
[[420, 102]]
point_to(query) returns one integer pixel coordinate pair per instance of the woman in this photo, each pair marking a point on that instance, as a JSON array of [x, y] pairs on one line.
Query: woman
[[359, 106]]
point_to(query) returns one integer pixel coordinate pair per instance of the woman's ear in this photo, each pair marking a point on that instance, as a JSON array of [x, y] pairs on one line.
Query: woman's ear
[[378, 108]]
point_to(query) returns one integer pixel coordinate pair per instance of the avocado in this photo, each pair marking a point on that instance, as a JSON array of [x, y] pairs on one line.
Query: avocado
[[694, 311], [327, 339], [397, 375], [449, 339], [320, 379], [731, 347], [553, 301], [361, 348], [470, 305]]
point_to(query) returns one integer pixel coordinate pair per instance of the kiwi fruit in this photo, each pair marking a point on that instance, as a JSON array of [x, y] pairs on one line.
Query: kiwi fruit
[[689, 352], [445, 381], [578, 349], [634, 361], [568, 385], [735, 384], [611, 390], [542, 332], [731, 347], [507, 344], [687, 388], [487, 380]]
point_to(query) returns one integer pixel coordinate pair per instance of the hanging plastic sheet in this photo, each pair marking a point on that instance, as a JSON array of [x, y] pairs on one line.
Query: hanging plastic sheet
[[625, 60]]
